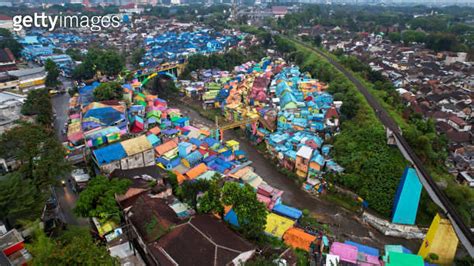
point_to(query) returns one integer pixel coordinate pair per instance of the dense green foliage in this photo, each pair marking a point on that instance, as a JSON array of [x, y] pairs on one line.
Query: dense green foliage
[[20, 199], [75, 54], [53, 73], [74, 247], [209, 196], [41, 159], [98, 199], [189, 191], [226, 61], [108, 91], [210, 201], [106, 61], [7, 41], [38, 102], [250, 212], [40, 156], [137, 56]]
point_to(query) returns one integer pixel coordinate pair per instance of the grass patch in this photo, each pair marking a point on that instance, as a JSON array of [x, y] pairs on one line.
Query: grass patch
[[342, 200]]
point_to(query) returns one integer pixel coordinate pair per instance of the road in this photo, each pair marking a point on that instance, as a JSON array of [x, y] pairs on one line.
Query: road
[[66, 197], [344, 224], [463, 232]]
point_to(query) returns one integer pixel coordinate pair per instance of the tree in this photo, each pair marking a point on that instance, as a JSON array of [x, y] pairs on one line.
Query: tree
[[86, 70], [19, 199], [189, 190], [74, 247], [108, 91], [442, 42], [5, 33], [53, 73], [98, 199], [251, 213], [210, 201], [110, 62], [7, 41], [40, 155], [317, 40], [38, 103], [394, 37], [410, 36], [137, 56], [75, 54]]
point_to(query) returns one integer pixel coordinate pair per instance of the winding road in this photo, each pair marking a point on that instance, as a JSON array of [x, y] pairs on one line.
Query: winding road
[[463, 232]]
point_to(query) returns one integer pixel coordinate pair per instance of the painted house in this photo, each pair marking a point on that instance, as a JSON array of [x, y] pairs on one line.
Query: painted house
[[303, 157], [316, 163], [139, 153], [192, 159], [298, 238], [128, 154], [277, 225], [196, 171], [184, 149], [166, 147], [109, 157]]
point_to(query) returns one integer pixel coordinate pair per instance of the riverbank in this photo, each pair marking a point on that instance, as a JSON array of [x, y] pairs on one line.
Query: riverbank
[[344, 224]]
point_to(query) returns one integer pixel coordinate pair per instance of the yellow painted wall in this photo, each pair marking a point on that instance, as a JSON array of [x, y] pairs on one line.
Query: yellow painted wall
[[35, 82], [440, 240]]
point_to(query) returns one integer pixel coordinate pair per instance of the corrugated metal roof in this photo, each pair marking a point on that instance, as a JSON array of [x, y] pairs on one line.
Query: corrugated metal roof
[[196, 171], [136, 145], [277, 225], [305, 152], [109, 154]]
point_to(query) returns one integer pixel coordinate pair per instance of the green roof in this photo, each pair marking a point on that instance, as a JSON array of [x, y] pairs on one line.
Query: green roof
[[404, 259]]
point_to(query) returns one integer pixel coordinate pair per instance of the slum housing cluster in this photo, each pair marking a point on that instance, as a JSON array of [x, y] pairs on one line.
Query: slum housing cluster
[[39, 47], [287, 110], [293, 115], [179, 44], [146, 138], [143, 140]]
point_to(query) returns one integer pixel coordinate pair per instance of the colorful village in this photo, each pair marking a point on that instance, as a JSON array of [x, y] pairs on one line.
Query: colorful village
[[147, 138], [275, 105]]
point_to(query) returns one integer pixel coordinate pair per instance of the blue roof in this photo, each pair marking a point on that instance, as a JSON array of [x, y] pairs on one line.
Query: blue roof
[[106, 115], [171, 131], [231, 217], [153, 139], [287, 211], [210, 141], [109, 154], [363, 248], [239, 152], [195, 141], [227, 153], [194, 157], [209, 159], [318, 159]]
